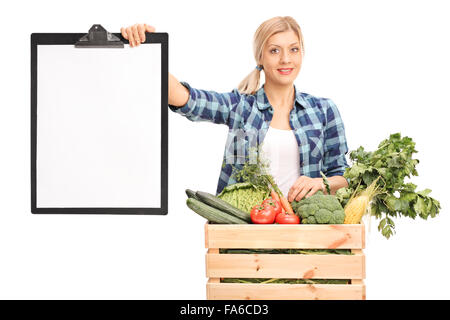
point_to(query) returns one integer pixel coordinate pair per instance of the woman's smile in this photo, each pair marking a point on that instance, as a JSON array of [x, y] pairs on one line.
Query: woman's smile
[[285, 71]]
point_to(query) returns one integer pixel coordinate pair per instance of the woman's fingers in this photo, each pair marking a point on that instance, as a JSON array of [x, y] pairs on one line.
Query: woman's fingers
[[130, 36], [296, 188], [149, 28], [137, 38], [141, 31], [313, 191], [136, 34], [304, 188], [304, 191]]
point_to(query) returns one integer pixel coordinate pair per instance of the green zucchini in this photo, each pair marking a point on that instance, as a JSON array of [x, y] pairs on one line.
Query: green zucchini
[[191, 194], [222, 205], [212, 214]]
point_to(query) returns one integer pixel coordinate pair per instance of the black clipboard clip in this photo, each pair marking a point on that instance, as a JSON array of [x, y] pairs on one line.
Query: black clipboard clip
[[98, 37]]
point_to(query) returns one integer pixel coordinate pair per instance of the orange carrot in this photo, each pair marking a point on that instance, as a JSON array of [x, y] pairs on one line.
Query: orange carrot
[[286, 205], [284, 202], [275, 196]]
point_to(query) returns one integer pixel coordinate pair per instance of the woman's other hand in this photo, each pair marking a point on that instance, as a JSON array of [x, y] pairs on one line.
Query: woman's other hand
[[305, 185], [135, 34]]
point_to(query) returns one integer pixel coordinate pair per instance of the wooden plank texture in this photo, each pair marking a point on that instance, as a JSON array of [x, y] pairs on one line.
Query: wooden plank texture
[[242, 291], [295, 266], [342, 236], [360, 282]]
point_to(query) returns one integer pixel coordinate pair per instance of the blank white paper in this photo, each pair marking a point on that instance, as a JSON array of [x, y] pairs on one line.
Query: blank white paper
[[98, 127]]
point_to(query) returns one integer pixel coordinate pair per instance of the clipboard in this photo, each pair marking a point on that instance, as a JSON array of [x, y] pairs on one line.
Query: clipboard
[[99, 124]]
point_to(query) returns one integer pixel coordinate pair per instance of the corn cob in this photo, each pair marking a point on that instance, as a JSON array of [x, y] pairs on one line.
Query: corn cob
[[357, 206]]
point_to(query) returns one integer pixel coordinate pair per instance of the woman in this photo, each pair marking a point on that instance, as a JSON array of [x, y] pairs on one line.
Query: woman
[[303, 135]]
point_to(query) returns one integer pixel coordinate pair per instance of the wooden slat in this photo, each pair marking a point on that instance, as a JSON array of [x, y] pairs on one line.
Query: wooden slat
[[208, 287], [295, 266], [210, 251], [343, 236], [206, 235], [363, 266], [242, 291], [360, 282], [363, 235]]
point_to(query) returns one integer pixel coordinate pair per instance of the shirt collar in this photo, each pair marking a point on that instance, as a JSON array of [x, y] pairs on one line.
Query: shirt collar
[[263, 103]]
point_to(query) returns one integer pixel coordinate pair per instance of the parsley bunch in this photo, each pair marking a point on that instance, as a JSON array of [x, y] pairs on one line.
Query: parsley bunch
[[256, 172], [392, 162]]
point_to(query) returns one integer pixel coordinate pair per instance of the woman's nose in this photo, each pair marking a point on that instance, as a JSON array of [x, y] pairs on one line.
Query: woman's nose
[[285, 58]]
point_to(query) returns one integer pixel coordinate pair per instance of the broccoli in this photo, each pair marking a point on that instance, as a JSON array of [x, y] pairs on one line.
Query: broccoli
[[319, 209]]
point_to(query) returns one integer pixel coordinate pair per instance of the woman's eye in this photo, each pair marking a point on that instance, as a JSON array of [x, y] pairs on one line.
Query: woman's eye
[[276, 50]]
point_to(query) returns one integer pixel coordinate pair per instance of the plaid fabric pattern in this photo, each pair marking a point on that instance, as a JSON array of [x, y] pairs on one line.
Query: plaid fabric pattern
[[316, 122]]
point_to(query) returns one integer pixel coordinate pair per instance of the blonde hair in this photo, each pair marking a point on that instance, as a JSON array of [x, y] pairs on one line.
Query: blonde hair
[[267, 29]]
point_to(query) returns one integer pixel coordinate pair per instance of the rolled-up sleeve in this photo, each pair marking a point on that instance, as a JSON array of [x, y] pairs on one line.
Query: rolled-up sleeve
[[334, 162], [204, 105]]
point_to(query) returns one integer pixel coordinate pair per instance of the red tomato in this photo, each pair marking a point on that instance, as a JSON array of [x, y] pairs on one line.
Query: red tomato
[[263, 214], [284, 218], [274, 203]]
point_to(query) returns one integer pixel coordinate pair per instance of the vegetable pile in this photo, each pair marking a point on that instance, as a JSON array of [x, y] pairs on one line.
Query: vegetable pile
[[256, 198], [217, 210], [376, 187]]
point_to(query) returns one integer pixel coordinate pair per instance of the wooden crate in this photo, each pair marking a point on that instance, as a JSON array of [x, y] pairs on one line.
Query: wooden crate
[[286, 266]]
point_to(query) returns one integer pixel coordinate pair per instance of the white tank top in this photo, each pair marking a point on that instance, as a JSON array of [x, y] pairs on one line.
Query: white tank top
[[280, 149]]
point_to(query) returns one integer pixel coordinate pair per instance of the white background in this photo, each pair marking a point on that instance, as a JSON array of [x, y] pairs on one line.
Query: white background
[[384, 63]]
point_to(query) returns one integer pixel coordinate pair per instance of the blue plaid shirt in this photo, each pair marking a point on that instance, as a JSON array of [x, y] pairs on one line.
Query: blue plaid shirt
[[315, 121]]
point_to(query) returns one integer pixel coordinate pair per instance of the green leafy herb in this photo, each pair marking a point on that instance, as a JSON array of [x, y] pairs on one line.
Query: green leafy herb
[[393, 162], [256, 173]]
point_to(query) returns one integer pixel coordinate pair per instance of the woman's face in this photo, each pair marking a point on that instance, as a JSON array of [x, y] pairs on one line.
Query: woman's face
[[282, 58]]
